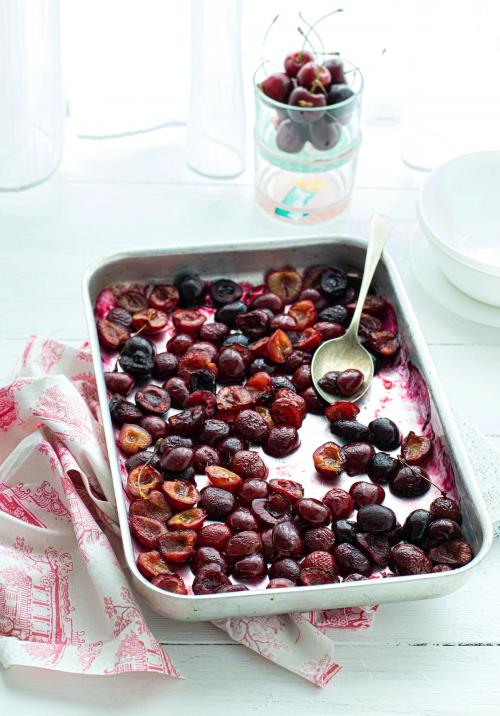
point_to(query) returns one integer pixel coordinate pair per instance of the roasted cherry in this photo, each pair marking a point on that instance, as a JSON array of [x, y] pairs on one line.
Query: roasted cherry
[[410, 481], [153, 505], [415, 526], [313, 511], [225, 291], [455, 552], [150, 321], [111, 335], [328, 382], [217, 503], [350, 430], [251, 567], [187, 422], [164, 297], [328, 460], [383, 467], [445, 507], [181, 494], [281, 440], [339, 502], [191, 290], [137, 356], [314, 575], [214, 332], [443, 529], [214, 535], [248, 464], [409, 559], [243, 543], [341, 410], [223, 478], [349, 381], [155, 426], [123, 411], [153, 399], [293, 491], [229, 312], [384, 434], [165, 365], [121, 316], [345, 531], [133, 438], [229, 447], [147, 531], [319, 538], [253, 324], [208, 555], [242, 520], [349, 559], [250, 425], [375, 546], [132, 301], [357, 457], [121, 383], [375, 518], [179, 343], [151, 564], [205, 455], [252, 489], [272, 510], [142, 480], [269, 300], [366, 493], [415, 448], [284, 568], [213, 431], [287, 540], [286, 284], [209, 579]]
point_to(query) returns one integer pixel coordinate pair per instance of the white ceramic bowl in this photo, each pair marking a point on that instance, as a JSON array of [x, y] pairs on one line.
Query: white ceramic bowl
[[459, 212]]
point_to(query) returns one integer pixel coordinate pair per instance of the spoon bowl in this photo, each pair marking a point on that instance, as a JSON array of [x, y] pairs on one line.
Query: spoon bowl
[[339, 354]]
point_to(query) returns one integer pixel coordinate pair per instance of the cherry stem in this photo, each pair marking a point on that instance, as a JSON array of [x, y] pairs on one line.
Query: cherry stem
[[266, 35], [312, 28], [132, 335], [148, 462], [423, 473], [306, 40], [309, 30]]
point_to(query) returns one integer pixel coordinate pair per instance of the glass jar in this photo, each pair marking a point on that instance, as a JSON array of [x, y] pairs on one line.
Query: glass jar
[[31, 91], [305, 157]]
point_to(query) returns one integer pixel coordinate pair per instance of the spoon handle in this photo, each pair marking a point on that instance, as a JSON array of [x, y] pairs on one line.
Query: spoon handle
[[380, 229]]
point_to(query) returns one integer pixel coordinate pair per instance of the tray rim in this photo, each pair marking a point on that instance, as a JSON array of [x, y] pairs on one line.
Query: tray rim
[[443, 409]]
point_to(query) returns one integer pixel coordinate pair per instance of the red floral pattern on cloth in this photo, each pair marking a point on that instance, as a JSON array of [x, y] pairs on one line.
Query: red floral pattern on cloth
[[64, 601]]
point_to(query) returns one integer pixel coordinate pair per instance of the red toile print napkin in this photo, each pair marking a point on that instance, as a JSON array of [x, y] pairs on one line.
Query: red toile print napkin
[[65, 602]]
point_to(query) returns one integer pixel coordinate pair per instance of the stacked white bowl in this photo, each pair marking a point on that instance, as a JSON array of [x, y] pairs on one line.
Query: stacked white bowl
[[459, 213]]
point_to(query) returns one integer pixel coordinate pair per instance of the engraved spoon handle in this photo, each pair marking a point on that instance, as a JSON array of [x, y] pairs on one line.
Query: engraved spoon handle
[[380, 229]]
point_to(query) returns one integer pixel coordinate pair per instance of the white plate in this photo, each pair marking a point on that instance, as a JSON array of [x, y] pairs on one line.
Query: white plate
[[435, 283]]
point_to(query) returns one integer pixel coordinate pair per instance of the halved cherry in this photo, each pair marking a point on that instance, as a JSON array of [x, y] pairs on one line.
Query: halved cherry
[[296, 399], [223, 478], [111, 335], [308, 340], [146, 530], [279, 346], [284, 411], [188, 321], [312, 276], [304, 313], [150, 321], [194, 361], [285, 284], [266, 414], [205, 398], [151, 564], [314, 575], [231, 399], [177, 546], [142, 480], [170, 583], [283, 321], [121, 383], [154, 505], [374, 305], [289, 488], [132, 301], [153, 399], [181, 494], [259, 348], [341, 410], [261, 386], [188, 519], [133, 438], [164, 297], [385, 343], [415, 448], [328, 460]]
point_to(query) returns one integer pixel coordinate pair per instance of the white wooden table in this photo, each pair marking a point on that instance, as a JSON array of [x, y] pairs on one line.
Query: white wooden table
[[434, 657]]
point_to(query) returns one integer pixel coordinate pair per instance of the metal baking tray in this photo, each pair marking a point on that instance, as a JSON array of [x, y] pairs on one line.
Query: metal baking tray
[[248, 261]]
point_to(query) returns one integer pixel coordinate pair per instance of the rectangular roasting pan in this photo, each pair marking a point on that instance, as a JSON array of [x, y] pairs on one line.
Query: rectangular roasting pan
[[249, 261]]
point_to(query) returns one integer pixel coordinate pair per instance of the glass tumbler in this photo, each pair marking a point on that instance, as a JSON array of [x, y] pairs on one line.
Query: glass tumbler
[[31, 93], [305, 157], [216, 124]]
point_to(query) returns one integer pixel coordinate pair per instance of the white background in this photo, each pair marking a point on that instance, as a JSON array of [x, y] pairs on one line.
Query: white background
[[435, 657]]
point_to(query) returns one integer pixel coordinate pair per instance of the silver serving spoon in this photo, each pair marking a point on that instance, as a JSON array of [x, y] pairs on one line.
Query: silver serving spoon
[[346, 351]]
